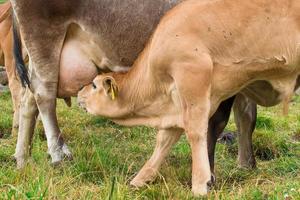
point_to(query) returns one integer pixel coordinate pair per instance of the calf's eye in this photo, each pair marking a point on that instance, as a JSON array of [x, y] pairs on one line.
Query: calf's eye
[[94, 86]]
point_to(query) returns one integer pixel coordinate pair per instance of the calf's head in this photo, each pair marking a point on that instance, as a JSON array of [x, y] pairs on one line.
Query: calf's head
[[100, 97]]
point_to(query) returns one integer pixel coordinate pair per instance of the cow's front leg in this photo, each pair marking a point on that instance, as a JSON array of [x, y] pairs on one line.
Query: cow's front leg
[[28, 114], [164, 141], [245, 113], [46, 101]]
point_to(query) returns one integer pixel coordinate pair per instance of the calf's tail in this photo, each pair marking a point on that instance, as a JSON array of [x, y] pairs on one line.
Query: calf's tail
[[18, 55]]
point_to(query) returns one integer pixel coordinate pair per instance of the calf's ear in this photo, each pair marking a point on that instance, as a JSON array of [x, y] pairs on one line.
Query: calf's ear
[[110, 87]]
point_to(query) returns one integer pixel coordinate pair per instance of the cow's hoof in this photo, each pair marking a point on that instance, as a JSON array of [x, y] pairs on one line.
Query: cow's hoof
[[200, 190], [62, 153], [67, 153], [57, 157], [251, 164], [227, 138], [212, 181], [21, 162]]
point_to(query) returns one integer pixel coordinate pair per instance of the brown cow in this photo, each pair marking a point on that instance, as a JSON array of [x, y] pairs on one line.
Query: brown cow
[[202, 53], [6, 38]]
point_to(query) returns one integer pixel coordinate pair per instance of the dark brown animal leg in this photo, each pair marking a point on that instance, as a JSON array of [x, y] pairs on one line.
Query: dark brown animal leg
[[245, 112], [217, 124]]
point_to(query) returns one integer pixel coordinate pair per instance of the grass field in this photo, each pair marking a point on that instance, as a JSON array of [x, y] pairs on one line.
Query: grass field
[[106, 157]]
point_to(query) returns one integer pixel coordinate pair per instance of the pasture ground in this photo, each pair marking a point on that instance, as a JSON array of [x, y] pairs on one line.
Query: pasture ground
[[106, 157]]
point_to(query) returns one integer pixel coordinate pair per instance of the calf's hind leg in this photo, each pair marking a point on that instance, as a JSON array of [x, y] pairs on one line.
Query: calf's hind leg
[[164, 141]]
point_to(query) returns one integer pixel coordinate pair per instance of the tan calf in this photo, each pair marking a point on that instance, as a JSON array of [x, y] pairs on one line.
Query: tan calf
[[201, 53]]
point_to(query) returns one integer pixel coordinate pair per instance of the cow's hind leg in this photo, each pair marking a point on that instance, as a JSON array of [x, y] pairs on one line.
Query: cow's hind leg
[[245, 112], [164, 141], [29, 112], [45, 96], [217, 124]]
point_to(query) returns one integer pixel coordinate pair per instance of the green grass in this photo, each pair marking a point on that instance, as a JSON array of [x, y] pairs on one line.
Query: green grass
[[106, 154]]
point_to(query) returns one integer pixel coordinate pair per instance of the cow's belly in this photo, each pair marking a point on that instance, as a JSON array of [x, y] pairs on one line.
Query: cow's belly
[[265, 94], [262, 93]]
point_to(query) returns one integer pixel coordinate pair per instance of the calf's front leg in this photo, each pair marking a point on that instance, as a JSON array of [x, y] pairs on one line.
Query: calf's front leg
[[193, 81], [165, 139]]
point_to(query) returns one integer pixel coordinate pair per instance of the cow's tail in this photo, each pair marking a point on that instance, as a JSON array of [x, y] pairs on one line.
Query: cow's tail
[[18, 55]]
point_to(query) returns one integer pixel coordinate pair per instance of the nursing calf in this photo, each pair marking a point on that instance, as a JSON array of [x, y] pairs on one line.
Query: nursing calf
[[201, 53]]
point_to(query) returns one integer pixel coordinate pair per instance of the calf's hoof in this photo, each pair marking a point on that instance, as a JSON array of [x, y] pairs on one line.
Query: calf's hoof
[[200, 190], [146, 175], [138, 183]]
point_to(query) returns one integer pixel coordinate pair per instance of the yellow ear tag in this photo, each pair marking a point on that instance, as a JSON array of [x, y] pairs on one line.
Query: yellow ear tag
[[113, 94]]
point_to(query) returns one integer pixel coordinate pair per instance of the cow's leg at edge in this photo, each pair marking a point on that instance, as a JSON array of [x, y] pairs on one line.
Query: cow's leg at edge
[[164, 141], [217, 124], [14, 84], [45, 94], [245, 113]]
